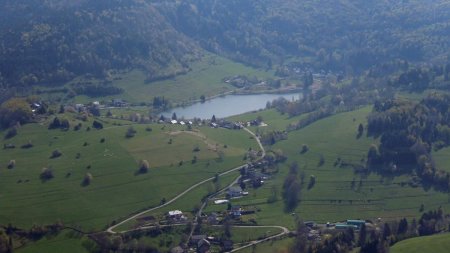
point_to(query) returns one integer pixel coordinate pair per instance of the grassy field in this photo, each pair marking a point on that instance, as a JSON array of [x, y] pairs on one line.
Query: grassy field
[[63, 242], [116, 190], [205, 78], [436, 244], [332, 198], [273, 246]]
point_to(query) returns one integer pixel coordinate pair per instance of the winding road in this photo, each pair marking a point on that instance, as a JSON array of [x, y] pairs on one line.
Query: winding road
[[284, 230], [111, 229]]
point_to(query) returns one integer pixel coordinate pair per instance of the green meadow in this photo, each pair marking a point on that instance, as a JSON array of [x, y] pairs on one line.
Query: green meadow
[[205, 78], [117, 189], [436, 243], [332, 198]]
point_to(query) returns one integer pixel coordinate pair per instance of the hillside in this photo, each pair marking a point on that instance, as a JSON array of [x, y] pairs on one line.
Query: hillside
[[50, 42], [436, 244], [334, 35]]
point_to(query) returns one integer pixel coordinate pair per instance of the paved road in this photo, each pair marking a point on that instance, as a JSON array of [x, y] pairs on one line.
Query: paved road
[[284, 231], [111, 229]]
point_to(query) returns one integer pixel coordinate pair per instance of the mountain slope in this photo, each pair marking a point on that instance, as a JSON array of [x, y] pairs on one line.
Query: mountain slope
[[53, 41]]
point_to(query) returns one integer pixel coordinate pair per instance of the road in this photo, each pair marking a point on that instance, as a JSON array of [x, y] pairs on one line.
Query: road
[[111, 229]]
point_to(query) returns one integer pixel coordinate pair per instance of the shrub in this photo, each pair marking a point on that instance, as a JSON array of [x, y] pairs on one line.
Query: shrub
[[27, 145], [102, 140], [144, 167], [97, 125], [12, 164], [130, 132], [11, 133], [46, 174], [55, 154], [304, 149], [9, 146], [87, 179]]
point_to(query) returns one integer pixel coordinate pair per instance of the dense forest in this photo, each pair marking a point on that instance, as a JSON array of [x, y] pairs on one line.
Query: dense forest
[[52, 41]]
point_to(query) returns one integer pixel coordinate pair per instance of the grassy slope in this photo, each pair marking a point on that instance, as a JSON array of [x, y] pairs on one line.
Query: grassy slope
[[332, 198], [61, 243], [113, 165], [436, 244], [276, 246], [204, 79]]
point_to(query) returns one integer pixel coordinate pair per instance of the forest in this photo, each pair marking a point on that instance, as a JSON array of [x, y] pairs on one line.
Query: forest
[[64, 39]]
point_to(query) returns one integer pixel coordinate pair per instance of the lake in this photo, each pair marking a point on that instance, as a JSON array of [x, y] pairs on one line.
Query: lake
[[227, 106]]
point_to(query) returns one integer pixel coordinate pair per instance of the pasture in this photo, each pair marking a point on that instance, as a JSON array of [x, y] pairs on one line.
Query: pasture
[[117, 189], [333, 198], [205, 78], [436, 243]]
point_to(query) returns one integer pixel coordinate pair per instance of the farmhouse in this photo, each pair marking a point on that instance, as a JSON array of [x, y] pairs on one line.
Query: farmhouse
[[235, 191], [203, 246], [357, 223], [236, 211], [176, 215], [117, 102]]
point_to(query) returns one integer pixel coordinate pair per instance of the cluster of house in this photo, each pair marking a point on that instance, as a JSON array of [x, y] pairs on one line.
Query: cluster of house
[[181, 122], [203, 244]]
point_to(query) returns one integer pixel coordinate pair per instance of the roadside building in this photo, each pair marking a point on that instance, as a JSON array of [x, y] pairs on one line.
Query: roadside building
[[235, 191]]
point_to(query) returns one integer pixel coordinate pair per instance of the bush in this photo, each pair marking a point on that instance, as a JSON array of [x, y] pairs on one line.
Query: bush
[[102, 140], [55, 154], [97, 125], [46, 174], [27, 145], [144, 167], [11, 133], [130, 132], [9, 146], [11, 164], [87, 179], [304, 149]]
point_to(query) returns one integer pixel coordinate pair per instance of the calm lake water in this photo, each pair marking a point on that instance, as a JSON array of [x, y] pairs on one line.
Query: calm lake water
[[228, 105]]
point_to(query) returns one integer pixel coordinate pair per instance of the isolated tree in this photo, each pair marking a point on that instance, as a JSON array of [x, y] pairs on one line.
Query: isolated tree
[[174, 116], [56, 153], [56, 123], [130, 132], [46, 174], [11, 133], [321, 160], [97, 125], [13, 111], [11, 164], [87, 179], [360, 131], [304, 149], [312, 182], [144, 166], [213, 119]]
